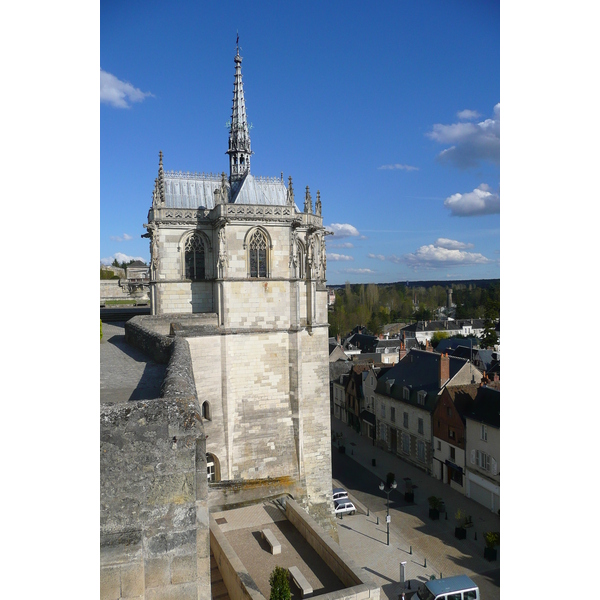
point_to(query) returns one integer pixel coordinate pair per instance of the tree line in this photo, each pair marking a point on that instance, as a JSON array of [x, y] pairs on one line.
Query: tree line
[[374, 306]]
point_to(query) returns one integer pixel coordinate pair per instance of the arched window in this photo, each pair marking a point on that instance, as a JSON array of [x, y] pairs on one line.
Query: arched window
[[206, 410], [194, 258], [257, 254], [213, 471], [301, 261]]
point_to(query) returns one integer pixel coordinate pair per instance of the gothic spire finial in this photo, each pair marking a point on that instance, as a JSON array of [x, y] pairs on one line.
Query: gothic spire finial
[[239, 137], [290, 191], [307, 202], [161, 178], [318, 204]]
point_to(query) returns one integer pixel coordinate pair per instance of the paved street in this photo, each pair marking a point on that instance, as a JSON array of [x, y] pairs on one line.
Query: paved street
[[432, 542]]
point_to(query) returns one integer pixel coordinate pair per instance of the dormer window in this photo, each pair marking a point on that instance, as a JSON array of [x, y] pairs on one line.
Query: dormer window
[[421, 395], [405, 393]]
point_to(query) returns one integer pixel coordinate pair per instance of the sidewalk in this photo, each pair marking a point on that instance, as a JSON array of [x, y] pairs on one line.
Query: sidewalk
[[433, 542]]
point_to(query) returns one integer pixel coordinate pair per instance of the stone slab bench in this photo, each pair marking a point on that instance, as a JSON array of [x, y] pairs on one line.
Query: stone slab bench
[[267, 534], [301, 581]]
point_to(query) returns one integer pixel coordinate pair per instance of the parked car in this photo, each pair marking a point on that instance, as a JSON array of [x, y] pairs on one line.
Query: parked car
[[339, 494], [343, 507]]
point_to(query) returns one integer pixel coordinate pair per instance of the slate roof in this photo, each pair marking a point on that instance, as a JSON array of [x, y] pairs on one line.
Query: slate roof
[[197, 190], [486, 407], [366, 343], [450, 344], [418, 370]]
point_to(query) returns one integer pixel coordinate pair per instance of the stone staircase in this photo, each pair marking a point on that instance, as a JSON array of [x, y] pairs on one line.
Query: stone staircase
[[218, 591]]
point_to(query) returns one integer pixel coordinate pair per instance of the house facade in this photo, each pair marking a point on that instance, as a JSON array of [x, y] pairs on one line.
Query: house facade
[[449, 435], [483, 449], [406, 397]]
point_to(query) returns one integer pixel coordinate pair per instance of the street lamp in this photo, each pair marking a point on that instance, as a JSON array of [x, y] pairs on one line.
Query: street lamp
[[388, 491]]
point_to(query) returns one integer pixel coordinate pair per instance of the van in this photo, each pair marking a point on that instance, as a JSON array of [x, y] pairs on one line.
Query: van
[[460, 587], [339, 493]]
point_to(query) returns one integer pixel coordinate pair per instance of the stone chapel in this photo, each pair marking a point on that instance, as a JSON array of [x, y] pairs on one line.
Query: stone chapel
[[239, 270]]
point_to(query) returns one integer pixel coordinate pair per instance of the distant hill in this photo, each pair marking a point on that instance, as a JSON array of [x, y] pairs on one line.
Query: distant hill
[[480, 283]]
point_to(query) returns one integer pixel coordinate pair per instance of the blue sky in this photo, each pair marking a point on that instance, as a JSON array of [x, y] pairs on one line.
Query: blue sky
[[391, 110]]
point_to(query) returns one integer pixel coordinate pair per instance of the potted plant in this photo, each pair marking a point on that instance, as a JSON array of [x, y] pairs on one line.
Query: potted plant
[[434, 507], [492, 539], [409, 495], [459, 531]]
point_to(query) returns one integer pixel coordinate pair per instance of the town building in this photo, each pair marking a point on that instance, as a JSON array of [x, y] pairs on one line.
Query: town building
[[406, 397]]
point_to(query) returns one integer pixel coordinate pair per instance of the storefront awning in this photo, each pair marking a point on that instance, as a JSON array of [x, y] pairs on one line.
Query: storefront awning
[[451, 465], [367, 416]]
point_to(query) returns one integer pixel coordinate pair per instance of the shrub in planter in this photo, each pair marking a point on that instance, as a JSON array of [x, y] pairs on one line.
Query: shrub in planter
[[459, 531], [434, 507], [280, 586], [492, 539]]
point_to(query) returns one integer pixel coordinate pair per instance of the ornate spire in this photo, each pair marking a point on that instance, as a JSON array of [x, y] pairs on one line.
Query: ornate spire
[[290, 191], [239, 137], [307, 202], [318, 204], [160, 181]]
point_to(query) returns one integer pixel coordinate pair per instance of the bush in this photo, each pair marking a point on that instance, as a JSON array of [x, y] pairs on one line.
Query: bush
[[100, 329], [280, 586], [492, 538]]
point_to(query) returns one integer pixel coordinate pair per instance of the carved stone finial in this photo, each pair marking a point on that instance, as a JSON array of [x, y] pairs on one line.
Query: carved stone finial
[[290, 192], [161, 178], [307, 202], [318, 204]]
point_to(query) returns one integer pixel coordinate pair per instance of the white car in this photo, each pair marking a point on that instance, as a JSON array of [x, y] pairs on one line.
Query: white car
[[343, 507], [339, 494]]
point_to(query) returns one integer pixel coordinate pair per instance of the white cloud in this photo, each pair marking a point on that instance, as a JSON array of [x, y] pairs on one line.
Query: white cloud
[[119, 93], [124, 238], [334, 256], [358, 271], [432, 257], [468, 115], [376, 256], [120, 258], [342, 230], [473, 204], [471, 142], [451, 244], [342, 245], [398, 166]]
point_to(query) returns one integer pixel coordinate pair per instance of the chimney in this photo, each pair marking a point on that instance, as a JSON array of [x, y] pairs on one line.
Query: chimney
[[444, 369], [402, 352], [428, 346], [338, 338]]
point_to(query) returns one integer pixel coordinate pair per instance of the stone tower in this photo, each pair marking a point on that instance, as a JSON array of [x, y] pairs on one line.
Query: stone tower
[[239, 272]]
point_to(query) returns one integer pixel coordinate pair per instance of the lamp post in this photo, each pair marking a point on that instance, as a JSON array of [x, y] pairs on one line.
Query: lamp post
[[388, 491]]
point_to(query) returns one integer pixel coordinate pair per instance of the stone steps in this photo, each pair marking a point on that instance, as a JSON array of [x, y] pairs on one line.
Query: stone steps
[[218, 591]]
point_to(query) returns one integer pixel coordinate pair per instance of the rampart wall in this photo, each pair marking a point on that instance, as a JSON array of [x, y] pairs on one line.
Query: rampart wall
[[154, 529]]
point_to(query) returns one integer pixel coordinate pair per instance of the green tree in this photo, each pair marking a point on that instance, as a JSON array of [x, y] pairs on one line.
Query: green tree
[[437, 337], [280, 586]]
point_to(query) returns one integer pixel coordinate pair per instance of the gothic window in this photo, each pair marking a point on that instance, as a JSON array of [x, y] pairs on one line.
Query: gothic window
[[301, 261], [257, 254], [194, 258]]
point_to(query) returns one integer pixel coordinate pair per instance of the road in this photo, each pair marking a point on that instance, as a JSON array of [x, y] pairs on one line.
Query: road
[[364, 486]]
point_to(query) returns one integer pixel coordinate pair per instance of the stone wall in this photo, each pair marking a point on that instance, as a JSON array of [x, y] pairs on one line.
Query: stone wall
[[154, 530], [358, 585], [241, 586]]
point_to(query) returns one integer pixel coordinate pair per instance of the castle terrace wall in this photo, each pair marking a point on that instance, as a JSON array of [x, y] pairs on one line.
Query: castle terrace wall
[[241, 586], [237, 580], [154, 528]]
